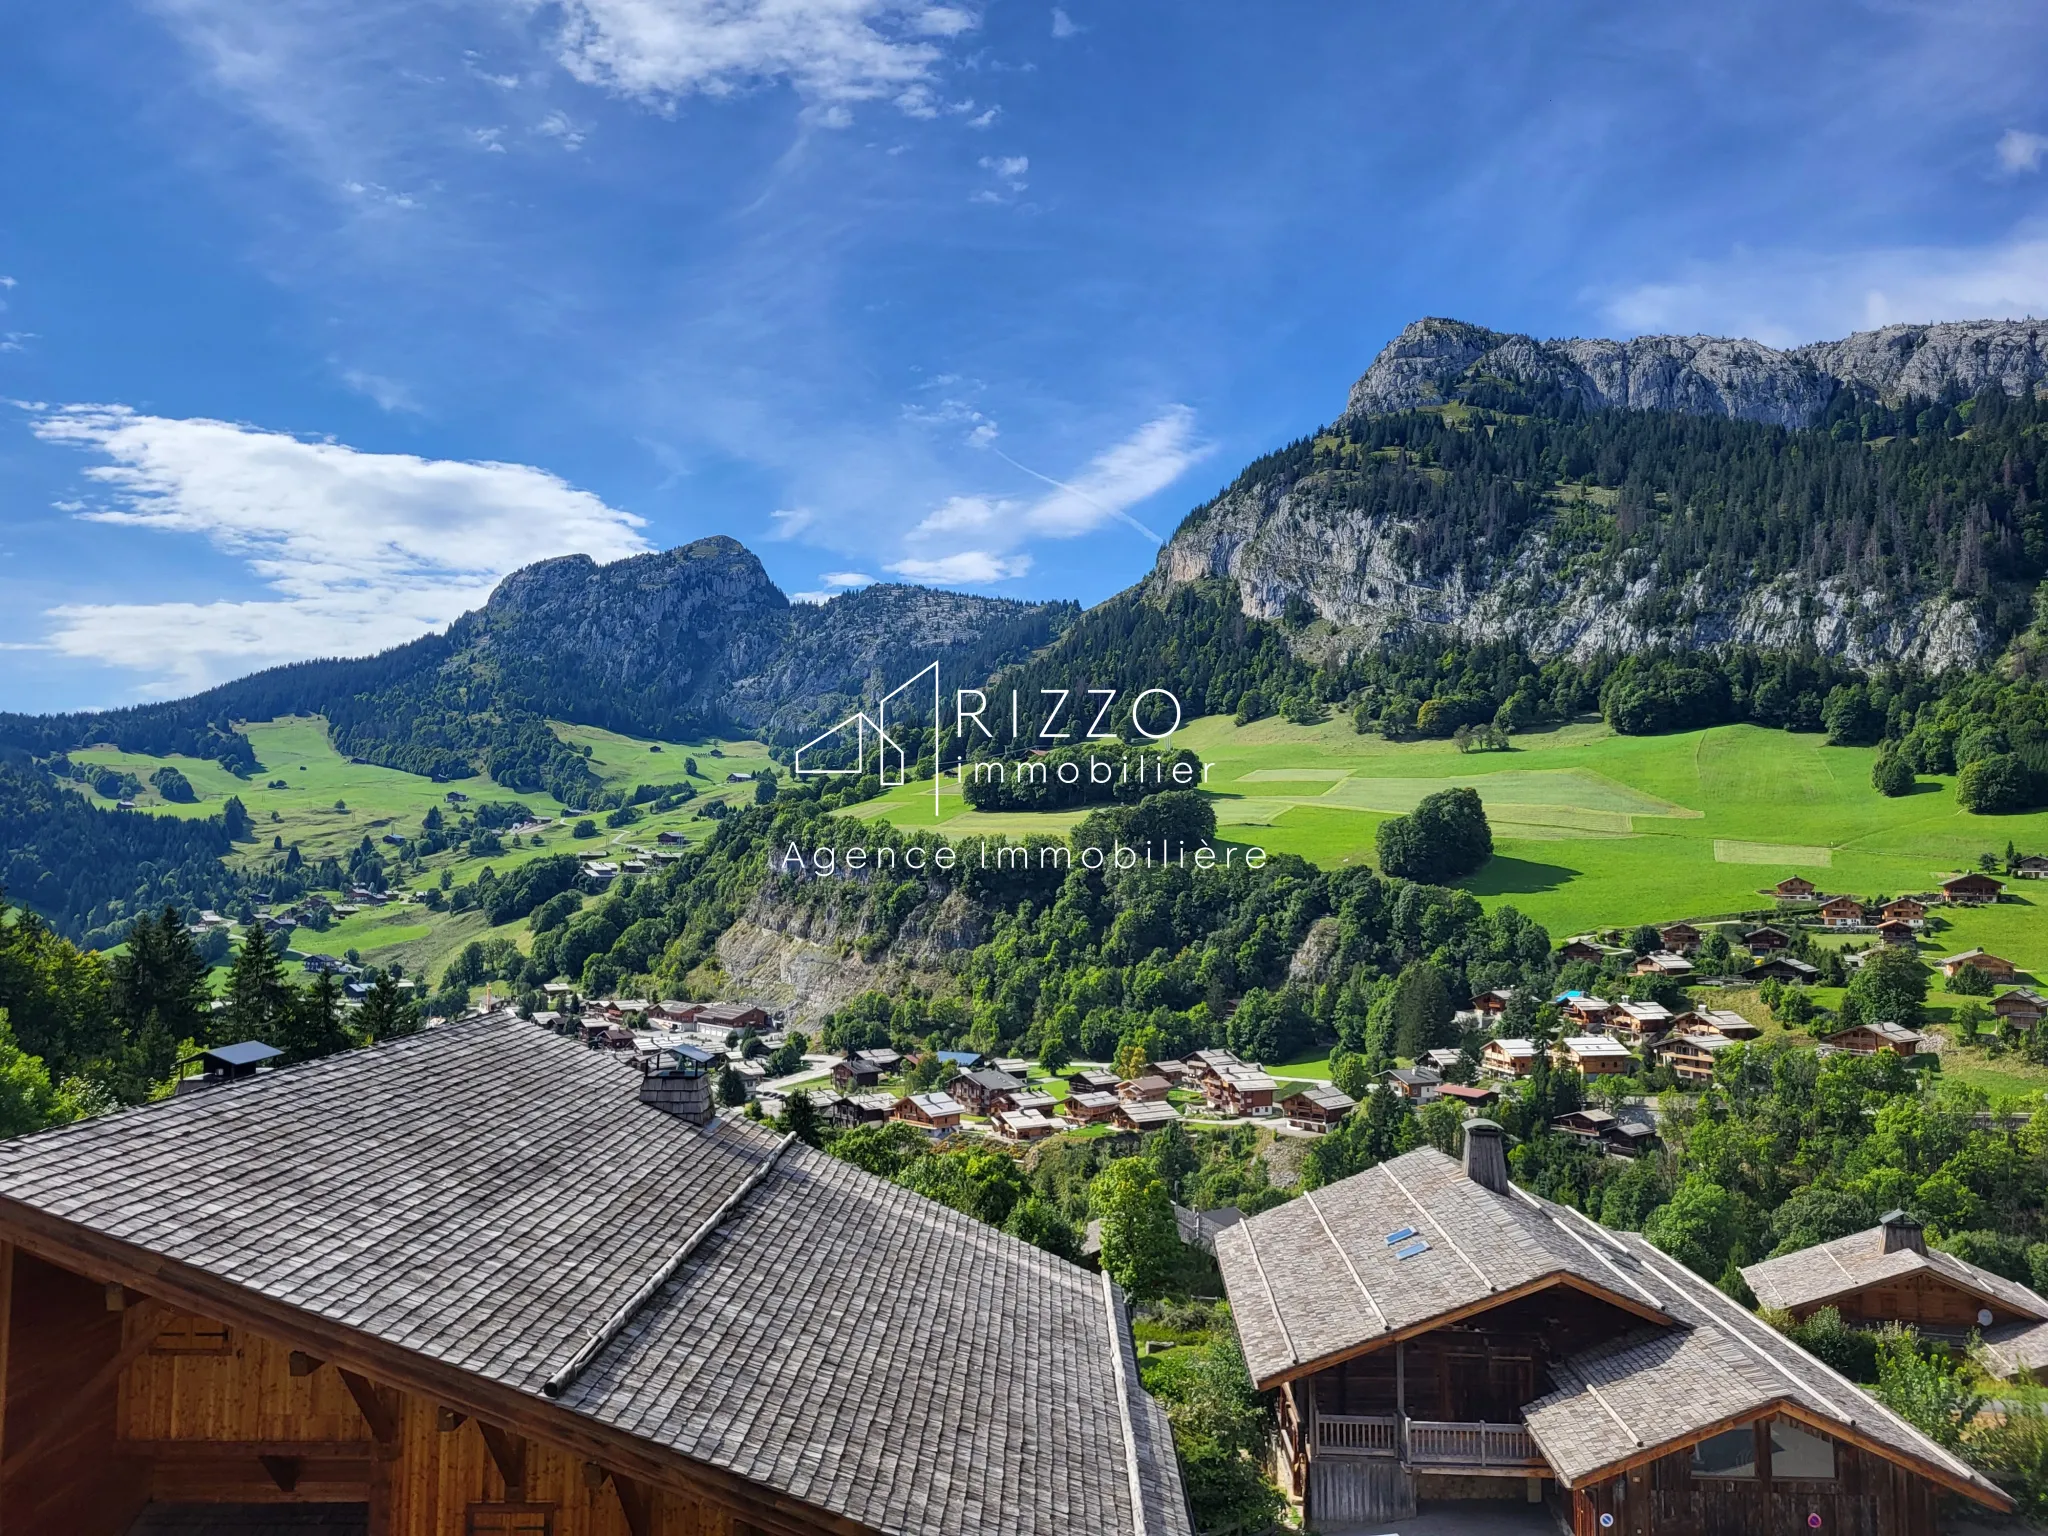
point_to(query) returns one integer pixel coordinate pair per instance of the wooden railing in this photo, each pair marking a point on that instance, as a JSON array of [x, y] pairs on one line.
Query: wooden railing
[[1356, 1435], [1427, 1442]]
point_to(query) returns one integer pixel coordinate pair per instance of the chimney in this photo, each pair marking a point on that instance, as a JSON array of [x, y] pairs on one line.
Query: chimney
[[1486, 1157], [683, 1090], [1901, 1232]]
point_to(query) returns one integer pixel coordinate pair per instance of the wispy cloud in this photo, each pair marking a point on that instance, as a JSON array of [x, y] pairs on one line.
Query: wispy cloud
[[1785, 298], [847, 579], [559, 127], [968, 568], [833, 51], [2019, 150], [389, 394], [359, 550], [1062, 24]]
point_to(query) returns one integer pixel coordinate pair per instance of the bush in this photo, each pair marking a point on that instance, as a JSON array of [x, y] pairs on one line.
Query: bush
[[1850, 1350], [173, 786], [584, 828], [1970, 981], [1444, 838], [1892, 775]]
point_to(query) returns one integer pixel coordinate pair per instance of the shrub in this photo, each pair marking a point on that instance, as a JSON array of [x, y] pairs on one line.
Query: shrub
[[584, 828], [1892, 774], [1442, 839], [1995, 785]]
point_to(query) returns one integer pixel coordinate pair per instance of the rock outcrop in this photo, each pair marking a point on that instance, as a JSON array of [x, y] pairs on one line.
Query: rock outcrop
[[1709, 375]]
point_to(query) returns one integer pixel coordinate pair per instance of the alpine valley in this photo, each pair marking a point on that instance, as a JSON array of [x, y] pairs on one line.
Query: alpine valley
[[1684, 611]]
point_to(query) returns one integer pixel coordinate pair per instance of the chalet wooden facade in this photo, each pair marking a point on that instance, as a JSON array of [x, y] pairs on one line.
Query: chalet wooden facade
[[2022, 1008], [1997, 967], [1765, 940], [1973, 889], [1432, 1334], [984, 1091], [1508, 1058], [1317, 1107], [1691, 1057], [1795, 888], [1679, 938], [1888, 1274], [1841, 912], [1090, 1108], [1869, 1039], [310, 1308], [934, 1112]]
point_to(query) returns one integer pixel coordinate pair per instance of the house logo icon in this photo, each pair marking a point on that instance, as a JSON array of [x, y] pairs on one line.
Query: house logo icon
[[875, 750]]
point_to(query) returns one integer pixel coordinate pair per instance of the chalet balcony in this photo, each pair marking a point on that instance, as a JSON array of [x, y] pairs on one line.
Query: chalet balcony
[[1429, 1445]]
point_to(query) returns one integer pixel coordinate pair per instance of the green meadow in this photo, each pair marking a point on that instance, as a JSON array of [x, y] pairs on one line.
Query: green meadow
[[327, 804], [1593, 829]]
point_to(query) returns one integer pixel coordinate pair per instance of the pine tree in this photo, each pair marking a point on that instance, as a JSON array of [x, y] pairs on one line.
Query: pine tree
[[800, 1119], [310, 1025], [162, 998], [387, 1013], [259, 999], [732, 1093]]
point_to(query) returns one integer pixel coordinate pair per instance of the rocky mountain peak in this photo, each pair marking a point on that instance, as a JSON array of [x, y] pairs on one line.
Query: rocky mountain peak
[[1707, 375]]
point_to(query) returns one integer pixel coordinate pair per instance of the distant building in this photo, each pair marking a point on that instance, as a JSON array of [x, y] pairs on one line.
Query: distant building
[[2031, 866], [1145, 1114], [1766, 940], [2021, 1008], [1795, 888], [1679, 938], [935, 1112], [1594, 1055], [1991, 965], [1897, 931], [1508, 1058], [1691, 1057], [1784, 968], [1317, 1107], [1090, 1108], [1869, 1039], [1419, 1084], [1973, 889], [1492, 1003], [1841, 912], [981, 1090]]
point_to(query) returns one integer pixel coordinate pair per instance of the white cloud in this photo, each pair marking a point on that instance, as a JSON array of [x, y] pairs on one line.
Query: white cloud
[[971, 567], [557, 125], [1785, 298], [790, 521], [829, 50], [1006, 166], [1062, 24], [847, 579], [486, 139], [7, 282], [986, 119], [361, 550], [2019, 150], [389, 394]]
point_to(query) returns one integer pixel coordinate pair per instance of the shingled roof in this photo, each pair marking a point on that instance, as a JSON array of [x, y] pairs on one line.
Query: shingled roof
[[1811, 1277], [487, 1194], [1320, 1279]]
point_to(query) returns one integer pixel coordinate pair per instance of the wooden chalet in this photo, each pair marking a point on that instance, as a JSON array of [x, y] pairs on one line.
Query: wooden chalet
[[279, 1305], [1795, 888], [1176, 1073], [1024, 1124], [1475, 1096], [1869, 1039], [984, 1091], [1725, 1022], [965, 1060], [1442, 1057], [1594, 1056], [1973, 889], [1997, 968], [1691, 1057], [1888, 1274], [1090, 1108], [1679, 938], [732, 1016], [1317, 1107], [1580, 949], [1841, 912], [1607, 1131], [1145, 1114], [934, 1112], [861, 1109], [853, 1073], [2031, 866], [1093, 1081], [1584, 1009], [1432, 1333], [1904, 909], [1042, 1103], [2022, 1008], [1663, 962], [1247, 1091], [1766, 940], [1417, 1084], [1147, 1089], [1783, 968], [1639, 1022], [1897, 931], [1492, 1003], [1508, 1058]]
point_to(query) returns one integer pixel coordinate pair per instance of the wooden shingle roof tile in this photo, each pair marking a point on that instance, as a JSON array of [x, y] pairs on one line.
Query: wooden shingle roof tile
[[486, 1194]]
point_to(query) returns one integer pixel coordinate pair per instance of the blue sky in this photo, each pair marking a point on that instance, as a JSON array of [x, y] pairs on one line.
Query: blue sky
[[320, 315]]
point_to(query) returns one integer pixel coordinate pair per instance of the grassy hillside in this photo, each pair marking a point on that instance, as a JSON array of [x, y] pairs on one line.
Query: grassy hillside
[[326, 804], [1593, 829]]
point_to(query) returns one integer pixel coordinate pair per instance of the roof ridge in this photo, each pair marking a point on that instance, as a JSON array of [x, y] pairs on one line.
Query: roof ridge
[[614, 1325], [1117, 1335]]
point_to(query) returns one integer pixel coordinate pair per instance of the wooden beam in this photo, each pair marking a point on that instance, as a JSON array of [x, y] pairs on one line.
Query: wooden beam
[[594, 1475], [117, 1296], [635, 1505], [448, 1420], [508, 1454], [52, 1424], [283, 1470], [98, 1256], [299, 1363], [377, 1413]]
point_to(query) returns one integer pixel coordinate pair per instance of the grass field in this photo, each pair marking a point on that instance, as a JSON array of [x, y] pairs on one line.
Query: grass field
[[327, 804], [1594, 829]]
